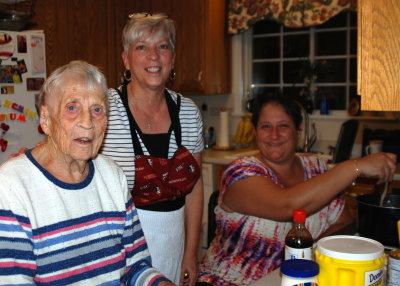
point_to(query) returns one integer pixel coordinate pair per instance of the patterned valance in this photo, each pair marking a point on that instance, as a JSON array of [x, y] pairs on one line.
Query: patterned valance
[[242, 14]]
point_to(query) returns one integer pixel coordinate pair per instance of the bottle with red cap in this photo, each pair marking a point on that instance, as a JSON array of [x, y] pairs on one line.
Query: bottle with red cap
[[299, 241]]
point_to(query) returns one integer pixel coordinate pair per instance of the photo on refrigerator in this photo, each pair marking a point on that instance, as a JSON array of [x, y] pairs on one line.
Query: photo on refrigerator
[[22, 73]]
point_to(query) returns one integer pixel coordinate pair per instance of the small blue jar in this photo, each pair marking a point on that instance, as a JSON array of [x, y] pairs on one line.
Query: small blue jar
[[324, 107], [299, 272]]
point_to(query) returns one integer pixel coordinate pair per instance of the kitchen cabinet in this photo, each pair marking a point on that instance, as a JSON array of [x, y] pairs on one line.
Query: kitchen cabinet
[[203, 49], [378, 56], [80, 29], [85, 30]]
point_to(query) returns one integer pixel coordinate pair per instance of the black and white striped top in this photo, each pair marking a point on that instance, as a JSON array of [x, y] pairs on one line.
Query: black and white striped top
[[117, 143]]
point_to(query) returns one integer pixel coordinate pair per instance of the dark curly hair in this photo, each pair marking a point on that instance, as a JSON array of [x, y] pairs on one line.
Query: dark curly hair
[[291, 107]]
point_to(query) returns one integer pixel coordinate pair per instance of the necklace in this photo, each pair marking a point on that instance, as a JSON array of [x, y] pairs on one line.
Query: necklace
[[148, 123], [133, 104], [149, 120]]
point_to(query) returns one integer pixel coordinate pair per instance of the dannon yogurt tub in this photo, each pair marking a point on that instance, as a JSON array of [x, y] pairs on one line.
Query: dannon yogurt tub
[[350, 260]]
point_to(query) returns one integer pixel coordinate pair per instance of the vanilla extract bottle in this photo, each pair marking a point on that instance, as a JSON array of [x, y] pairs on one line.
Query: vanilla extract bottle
[[299, 241]]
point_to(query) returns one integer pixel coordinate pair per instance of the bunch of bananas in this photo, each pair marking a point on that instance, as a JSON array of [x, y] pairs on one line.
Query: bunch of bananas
[[245, 132]]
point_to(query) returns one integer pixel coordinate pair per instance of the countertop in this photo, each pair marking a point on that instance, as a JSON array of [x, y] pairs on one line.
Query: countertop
[[224, 157]]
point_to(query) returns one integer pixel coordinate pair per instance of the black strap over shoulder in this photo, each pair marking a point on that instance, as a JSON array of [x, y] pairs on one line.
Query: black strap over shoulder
[[174, 114]]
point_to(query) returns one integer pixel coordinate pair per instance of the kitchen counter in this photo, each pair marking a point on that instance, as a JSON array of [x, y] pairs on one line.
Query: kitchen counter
[[212, 156], [225, 157]]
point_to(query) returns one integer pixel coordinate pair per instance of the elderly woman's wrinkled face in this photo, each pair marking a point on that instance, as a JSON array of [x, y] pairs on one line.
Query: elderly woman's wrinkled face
[[77, 119], [276, 133], [150, 59]]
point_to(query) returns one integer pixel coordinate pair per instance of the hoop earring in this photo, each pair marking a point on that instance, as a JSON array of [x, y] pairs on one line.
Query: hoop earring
[[127, 75], [172, 75]]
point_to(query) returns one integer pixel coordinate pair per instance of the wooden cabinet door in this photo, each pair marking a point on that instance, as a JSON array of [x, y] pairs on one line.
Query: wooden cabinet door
[[84, 30], [378, 54], [190, 47], [203, 48], [91, 30]]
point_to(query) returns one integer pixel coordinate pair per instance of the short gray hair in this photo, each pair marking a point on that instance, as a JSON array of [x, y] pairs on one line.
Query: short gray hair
[[83, 70], [138, 22]]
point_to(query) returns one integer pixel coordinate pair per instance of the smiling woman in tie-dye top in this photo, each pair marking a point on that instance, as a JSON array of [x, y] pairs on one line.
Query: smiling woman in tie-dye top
[[258, 194]]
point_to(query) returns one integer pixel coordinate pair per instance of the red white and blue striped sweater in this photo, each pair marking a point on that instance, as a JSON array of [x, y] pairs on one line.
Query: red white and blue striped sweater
[[55, 233]]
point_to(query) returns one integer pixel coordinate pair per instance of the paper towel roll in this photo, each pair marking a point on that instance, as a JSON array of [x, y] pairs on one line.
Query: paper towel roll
[[223, 134]]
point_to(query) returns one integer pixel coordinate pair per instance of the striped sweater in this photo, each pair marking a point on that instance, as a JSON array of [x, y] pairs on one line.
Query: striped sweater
[[56, 233]]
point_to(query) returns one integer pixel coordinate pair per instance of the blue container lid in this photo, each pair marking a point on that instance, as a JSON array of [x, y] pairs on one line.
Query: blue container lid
[[299, 268]]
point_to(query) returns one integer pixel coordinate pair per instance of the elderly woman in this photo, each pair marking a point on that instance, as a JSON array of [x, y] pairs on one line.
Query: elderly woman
[[259, 193], [155, 135], [66, 213]]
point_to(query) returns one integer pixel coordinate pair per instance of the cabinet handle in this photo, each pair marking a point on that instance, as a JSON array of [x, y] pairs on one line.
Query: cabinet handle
[[200, 76]]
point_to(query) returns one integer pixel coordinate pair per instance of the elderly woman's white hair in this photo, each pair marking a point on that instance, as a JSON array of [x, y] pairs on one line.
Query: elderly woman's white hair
[[139, 22], [85, 72]]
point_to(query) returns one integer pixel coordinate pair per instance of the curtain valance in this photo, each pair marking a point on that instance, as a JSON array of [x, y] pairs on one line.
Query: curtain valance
[[242, 14]]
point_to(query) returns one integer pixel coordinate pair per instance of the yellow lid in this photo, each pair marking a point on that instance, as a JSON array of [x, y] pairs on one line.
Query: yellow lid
[[347, 247]]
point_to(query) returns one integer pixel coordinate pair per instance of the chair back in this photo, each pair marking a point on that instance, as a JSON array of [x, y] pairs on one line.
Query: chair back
[[345, 142], [212, 224]]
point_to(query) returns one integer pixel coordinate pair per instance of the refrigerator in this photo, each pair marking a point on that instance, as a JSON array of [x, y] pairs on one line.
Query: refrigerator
[[22, 73]]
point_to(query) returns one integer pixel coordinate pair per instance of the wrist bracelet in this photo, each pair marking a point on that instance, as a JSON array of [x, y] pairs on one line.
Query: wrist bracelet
[[357, 173]]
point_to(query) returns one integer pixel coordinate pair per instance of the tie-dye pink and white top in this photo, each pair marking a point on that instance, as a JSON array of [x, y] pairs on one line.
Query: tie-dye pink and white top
[[246, 248]]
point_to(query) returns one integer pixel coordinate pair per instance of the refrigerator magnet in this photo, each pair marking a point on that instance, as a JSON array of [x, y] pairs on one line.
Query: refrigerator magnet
[[6, 46]]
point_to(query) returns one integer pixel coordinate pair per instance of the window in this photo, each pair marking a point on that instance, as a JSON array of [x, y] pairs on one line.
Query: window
[[319, 61]]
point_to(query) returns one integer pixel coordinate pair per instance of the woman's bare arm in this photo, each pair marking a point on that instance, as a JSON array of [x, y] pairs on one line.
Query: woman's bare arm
[[259, 196]]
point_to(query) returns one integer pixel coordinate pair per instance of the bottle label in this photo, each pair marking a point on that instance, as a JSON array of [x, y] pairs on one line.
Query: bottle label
[[306, 284], [292, 281], [299, 253]]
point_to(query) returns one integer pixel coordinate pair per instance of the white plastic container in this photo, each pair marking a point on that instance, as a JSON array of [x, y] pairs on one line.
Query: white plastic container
[[299, 272]]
